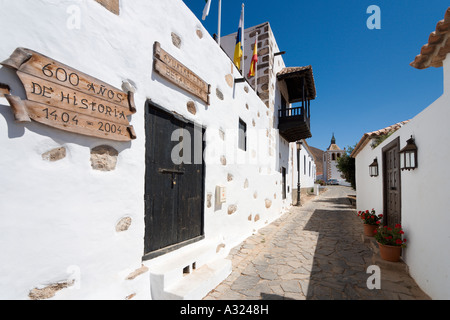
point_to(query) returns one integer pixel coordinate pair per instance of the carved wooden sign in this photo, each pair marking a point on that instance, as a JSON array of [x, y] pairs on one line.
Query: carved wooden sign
[[174, 71], [64, 98]]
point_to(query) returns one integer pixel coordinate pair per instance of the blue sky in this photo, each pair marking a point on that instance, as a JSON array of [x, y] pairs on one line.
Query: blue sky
[[363, 78]]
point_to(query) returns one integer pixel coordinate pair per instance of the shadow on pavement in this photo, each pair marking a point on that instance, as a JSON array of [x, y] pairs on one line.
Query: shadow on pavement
[[340, 260]]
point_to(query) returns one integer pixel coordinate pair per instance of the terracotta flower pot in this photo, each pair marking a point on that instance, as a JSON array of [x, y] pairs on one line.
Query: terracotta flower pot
[[390, 253], [369, 229]]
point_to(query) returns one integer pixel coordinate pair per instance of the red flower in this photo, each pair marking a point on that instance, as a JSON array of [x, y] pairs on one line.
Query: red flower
[[398, 225], [380, 215], [401, 232], [375, 231], [378, 222], [399, 241]]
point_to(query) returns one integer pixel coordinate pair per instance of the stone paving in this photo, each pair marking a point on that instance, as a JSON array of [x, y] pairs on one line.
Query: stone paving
[[316, 252]]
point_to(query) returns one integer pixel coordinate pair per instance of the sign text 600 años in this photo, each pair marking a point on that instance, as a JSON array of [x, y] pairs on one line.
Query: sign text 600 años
[[64, 98]]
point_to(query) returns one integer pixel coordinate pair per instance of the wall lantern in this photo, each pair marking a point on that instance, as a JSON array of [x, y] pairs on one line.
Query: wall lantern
[[408, 155], [239, 80], [373, 168]]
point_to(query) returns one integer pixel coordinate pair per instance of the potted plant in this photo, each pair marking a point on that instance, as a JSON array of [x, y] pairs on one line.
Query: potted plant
[[371, 221], [390, 241]]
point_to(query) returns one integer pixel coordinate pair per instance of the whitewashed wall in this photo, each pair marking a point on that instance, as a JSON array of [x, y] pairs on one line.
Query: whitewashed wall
[[59, 217], [425, 199]]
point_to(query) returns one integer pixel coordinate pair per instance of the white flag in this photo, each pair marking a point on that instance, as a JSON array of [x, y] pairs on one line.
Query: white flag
[[206, 10]]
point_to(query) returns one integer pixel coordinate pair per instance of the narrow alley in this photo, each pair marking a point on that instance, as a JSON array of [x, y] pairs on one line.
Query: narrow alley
[[316, 252]]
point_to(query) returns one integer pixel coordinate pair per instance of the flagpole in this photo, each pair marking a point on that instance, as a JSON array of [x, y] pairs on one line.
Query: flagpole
[[256, 64], [243, 41], [220, 21]]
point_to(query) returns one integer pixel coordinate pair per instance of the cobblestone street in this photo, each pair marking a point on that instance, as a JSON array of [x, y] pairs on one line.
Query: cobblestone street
[[317, 252]]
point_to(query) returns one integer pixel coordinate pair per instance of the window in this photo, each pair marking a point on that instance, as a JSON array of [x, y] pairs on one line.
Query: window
[[333, 157], [283, 183], [242, 143], [310, 168], [304, 165]]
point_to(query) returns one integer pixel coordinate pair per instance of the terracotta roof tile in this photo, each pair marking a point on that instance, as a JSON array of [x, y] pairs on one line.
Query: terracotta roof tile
[[370, 135], [434, 52]]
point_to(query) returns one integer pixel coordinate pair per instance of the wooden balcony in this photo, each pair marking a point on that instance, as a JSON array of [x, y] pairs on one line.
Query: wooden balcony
[[294, 123]]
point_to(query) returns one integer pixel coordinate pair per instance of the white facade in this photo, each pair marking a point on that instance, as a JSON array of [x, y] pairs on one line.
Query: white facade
[[59, 218], [424, 193]]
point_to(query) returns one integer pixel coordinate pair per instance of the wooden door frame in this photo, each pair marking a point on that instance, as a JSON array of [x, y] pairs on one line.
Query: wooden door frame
[[160, 252], [393, 144]]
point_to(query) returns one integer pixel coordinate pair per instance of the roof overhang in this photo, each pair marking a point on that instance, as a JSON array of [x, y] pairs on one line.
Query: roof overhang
[[371, 135], [294, 78], [434, 52]]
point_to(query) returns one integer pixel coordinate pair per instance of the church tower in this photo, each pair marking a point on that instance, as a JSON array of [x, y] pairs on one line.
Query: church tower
[[331, 155]]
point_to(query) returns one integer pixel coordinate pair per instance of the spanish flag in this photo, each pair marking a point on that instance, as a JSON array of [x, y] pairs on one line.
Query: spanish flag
[[238, 49], [251, 73]]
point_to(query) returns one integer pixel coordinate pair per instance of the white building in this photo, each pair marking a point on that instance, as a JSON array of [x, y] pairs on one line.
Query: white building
[[417, 198], [132, 161]]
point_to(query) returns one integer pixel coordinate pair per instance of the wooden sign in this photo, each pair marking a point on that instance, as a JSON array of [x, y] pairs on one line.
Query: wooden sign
[[62, 97], [174, 71]]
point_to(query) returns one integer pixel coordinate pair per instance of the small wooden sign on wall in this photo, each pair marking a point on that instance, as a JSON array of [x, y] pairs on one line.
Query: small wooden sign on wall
[[177, 73], [64, 98]]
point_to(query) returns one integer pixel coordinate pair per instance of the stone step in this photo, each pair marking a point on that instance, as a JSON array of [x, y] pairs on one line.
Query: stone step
[[183, 273], [196, 285]]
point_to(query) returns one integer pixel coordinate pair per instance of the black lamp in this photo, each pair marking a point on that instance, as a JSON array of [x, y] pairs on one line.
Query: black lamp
[[373, 168], [408, 155]]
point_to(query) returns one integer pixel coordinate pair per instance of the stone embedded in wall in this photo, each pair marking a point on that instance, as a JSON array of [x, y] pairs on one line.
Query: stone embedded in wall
[[199, 33], [263, 65], [230, 177], [263, 79], [130, 296], [219, 94], [265, 87], [209, 200], [220, 247], [124, 224], [274, 195], [232, 209], [268, 203], [246, 89], [55, 154], [104, 158], [191, 107], [255, 195], [246, 184], [250, 218], [176, 40], [49, 291], [111, 5], [263, 52], [257, 217], [143, 269], [253, 122], [222, 134], [246, 106], [223, 160], [230, 80]]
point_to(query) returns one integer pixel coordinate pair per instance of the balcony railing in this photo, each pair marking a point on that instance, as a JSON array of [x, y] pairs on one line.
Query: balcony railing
[[294, 123]]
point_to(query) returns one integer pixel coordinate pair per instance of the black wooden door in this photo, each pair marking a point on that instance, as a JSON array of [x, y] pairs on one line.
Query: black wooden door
[[174, 188], [392, 184]]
